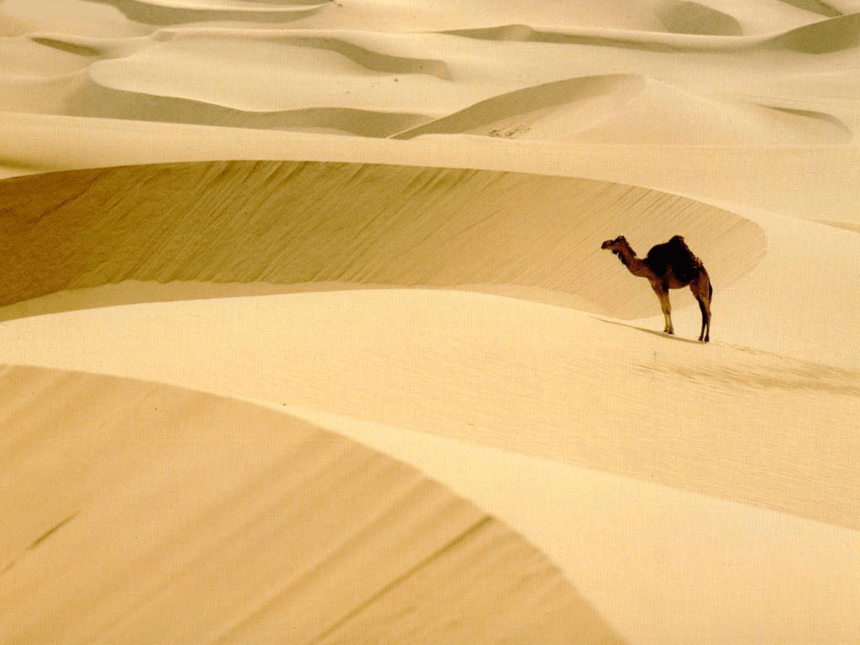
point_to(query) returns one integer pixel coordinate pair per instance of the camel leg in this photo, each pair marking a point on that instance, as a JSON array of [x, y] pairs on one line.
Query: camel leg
[[665, 305], [667, 311], [701, 289], [703, 335]]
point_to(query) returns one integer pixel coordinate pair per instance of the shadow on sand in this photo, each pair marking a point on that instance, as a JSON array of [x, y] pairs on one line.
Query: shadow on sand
[[649, 331]]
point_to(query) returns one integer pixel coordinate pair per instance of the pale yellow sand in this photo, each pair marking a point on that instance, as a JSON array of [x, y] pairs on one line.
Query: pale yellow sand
[[462, 321], [181, 516], [550, 384]]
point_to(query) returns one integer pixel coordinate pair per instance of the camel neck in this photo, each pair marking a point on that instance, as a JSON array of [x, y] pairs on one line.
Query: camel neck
[[636, 266]]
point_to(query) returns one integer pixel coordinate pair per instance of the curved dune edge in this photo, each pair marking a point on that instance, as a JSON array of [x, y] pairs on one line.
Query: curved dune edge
[[202, 41], [359, 88], [814, 6], [824, 37], [190, 517], [833, 34], [854, 227], [152, 13], [633, 109], [516, 113], [747, 559], [543, 381], [78, 95], [647, 41], [303, 222], [367, 55], [693, 18]]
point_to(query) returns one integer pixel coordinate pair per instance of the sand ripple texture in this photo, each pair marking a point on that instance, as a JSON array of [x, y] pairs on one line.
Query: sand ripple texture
[[308, 336], [244, 64]]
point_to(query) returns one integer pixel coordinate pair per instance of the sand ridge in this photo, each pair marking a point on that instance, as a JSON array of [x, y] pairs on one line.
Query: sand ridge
[[390, 229], [381, 83], [297, 223], [626, 109], [255, 546], [436, 362]]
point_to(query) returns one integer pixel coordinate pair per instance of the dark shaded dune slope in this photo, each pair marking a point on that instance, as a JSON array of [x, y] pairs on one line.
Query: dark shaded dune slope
[[825, 37], [293, 223], [213, 520], [693, 18], [151, 13], [814, 6], [95, 101]]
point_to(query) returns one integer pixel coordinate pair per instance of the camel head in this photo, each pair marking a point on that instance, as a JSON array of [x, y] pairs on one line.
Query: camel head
[[616, 245]]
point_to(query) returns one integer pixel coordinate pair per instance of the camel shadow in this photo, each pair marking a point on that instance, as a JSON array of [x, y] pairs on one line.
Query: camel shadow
[[653, 332]]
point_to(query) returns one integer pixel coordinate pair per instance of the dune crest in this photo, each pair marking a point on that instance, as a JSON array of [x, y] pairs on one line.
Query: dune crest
[[173, 12], [681, 17], [630, 109], [505, 373], [815, 6], [77, 95], [296, 223], [824, 37], [663, 114], [558, 108], [638, 40], [183, 516], [380, 221]]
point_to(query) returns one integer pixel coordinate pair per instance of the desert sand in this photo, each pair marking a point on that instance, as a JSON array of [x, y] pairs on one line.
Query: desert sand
[[307, 335]]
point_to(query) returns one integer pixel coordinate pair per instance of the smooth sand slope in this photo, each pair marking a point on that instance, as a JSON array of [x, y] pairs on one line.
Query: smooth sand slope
[[182, 516], [379, 83], [755, 418], [627, 544], [405, 254], [296, 223]]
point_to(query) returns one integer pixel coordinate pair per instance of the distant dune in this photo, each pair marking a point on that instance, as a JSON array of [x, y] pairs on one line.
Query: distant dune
[[308, 334], [629, 109], [827, 36], [693, 18]]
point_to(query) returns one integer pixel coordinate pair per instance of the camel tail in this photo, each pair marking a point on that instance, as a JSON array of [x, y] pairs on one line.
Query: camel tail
[[710, 290]]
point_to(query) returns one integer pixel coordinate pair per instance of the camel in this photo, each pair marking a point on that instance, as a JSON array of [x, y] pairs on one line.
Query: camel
[[669, 266]]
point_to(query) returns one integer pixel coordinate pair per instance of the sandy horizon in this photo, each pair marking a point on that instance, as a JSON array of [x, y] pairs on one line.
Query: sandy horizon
[[307, 335]]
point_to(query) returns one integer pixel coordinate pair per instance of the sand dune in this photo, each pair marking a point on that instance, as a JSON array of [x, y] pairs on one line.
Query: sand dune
[[315, 537], [824, 36], [443, 364], [389, 235], [157, 80], [71, 17], [661, 114], [380, 84], [827, 36], [264, 60], [633, 110], [767, 559], [815, 6], [560, 108], [807, 182], [693, 18], [645, 41], [78, 95], [300, 223], [169, 12], [710, 16]]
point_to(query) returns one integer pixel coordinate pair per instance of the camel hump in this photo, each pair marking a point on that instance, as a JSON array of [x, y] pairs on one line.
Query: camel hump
[[674, 254]]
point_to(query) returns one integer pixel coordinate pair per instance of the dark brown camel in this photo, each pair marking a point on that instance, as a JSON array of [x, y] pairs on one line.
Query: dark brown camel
[[669, 266]]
